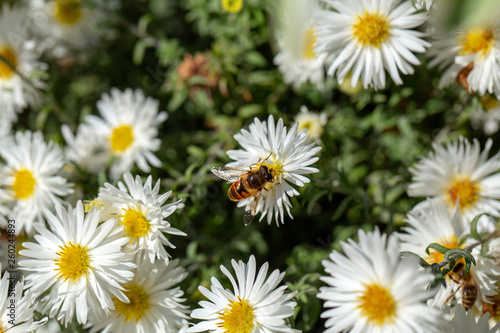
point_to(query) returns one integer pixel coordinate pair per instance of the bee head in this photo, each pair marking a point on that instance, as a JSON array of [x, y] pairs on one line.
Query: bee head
[[267, 172]]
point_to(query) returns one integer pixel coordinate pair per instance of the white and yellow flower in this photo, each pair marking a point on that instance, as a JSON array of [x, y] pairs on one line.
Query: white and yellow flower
[[459, 172], [20, 51], [371, 289], [256, 305], [17, 310], [368, 38], [289, 153], [297, 60], [29, 181], [155, 304], [66, 26], [141, 213], [129, 125], [78, 263], [470, 57], [313, 122]]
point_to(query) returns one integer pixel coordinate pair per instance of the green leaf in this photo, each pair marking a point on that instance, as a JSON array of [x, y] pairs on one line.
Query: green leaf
[[473, 227], [139, 51], [438, 247], [462, 252]]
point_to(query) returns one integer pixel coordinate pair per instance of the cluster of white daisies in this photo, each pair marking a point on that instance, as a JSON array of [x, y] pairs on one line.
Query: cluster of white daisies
[[373, 289], [362, 40], [105, 264]]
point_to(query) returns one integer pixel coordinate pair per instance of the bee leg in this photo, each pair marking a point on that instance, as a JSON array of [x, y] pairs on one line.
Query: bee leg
[[452, 296]]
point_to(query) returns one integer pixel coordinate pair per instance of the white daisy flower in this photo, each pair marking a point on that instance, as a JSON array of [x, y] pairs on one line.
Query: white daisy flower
[[487, 115], [29, 184], [79, 261], [21, 52], [129, 125], [86, 150], [436, 225], [459, 172], [367, 38], [470, 57], [141, 213], [16, 310], [297, 60], [67, 25], [155, 305], [257, 305], [287, 155], [314, 123], [465, 322], [372, 289]]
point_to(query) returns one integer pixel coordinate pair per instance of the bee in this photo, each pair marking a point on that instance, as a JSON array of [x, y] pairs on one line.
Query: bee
[[467, 283], [247, 184]]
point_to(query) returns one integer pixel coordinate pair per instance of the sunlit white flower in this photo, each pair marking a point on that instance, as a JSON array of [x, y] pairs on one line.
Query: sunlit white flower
[[470, 57], [129, 125], [29, 182], [435, 225], [257, 305], [141, 213], [372, 289], [288, 153], [67, 25], [155, 304], [367, 38], [21, 52], [313, 122], [297, 60], [16, 310], [87, 150], [459, 171], [487, 115], [79, 263], [465, 322]]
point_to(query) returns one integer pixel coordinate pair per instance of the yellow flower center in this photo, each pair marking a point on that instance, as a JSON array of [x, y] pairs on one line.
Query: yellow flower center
[[68, 11], [308, 41], [24, 184], [465, 190], [476, 40], [135, 224], [377, 305], [121, 138], [371, 29], [92, 203], [489, 102], [2, 328], [73, 261], [238, 318], [136, 308], [436, 257], [6, 71], [232, 6]]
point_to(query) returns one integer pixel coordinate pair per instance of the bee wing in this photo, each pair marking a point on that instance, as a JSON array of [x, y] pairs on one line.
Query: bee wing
[[250, 214], [227, 173]]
